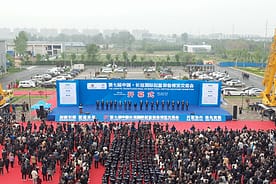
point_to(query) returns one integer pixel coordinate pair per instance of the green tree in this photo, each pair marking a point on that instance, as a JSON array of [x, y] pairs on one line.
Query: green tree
[[21, 43], [63, 56], [47, 57], [38, 57], [10, 59], [73, 57], [92, 52], [168, 58], [133, 58], [117, 58], [125, 57], [82, 57], [177, 57], [108, 57]]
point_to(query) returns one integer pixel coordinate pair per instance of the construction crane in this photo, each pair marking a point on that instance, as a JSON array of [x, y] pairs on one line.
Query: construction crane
[[269, 81], [2, 96]]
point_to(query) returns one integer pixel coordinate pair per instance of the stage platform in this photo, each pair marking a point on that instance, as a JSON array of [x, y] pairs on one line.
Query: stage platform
[[90, 112]]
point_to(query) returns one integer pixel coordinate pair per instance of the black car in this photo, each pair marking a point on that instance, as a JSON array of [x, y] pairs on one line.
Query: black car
[[48, 84]]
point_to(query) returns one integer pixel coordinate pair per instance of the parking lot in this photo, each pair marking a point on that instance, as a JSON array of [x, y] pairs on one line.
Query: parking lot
[[138, 73]]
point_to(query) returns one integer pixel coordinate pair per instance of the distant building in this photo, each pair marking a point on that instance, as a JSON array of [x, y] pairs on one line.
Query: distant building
[[40, 47], [3, 60], [74, 46], [138, 33], [197, 48]]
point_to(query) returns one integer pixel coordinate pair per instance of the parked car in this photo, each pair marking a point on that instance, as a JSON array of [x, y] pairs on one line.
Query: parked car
[[48, 84], [234, 92], [67, 76], [26, 84], [253, 92], [235, 82]]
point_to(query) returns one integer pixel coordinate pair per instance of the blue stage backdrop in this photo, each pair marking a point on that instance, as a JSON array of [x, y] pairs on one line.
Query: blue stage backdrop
[[87, 92]]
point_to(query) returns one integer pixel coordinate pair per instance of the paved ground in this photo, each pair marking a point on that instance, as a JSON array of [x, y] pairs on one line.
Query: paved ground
[[247, 113]]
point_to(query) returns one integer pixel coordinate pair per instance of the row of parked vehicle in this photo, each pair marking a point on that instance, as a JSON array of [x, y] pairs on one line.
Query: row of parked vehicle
[[249, 91], [48, 79], [230, 86], [224, 77]]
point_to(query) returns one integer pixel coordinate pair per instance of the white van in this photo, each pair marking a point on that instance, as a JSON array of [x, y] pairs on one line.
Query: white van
[[26, 84]]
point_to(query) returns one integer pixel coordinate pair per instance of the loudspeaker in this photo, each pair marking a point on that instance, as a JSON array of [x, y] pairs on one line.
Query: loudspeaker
[[41, 112], [41, 108], [235, 112]]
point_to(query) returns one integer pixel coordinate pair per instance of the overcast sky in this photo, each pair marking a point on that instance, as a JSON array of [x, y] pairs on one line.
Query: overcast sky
[[157, 16]]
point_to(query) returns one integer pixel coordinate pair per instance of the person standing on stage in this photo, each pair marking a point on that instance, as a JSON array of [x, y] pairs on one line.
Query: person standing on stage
[[168, 105], [173, 105], [97, 104], [182, 105], [129, 105], [147, 104], [157, 104], [135, 105], [120, 105], [125, 105], [115, 104], [102, 104], [163, 104], [141, 105], [152, 105], [187, 105], [111, 104], [106, 105], [178, 104]]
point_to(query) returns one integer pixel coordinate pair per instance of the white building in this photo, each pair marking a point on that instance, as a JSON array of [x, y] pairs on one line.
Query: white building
[[40, 47], [197, 48]]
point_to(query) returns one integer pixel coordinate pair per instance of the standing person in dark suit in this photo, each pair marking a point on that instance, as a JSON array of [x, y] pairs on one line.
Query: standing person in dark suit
[[173, 105], [135, 105], [178, 104], [129, 105], [187, 105], [111, 104], [152, 105], [125, 105], [157, 104], [141, 105], [120, 105], [115, 104], [147, 104], [182, 105], [106, 105], [168, 104], [97, 104], [163, 104], [102, 104]]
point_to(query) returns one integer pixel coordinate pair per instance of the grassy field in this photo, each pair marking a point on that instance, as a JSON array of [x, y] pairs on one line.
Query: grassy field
[[257, 71]]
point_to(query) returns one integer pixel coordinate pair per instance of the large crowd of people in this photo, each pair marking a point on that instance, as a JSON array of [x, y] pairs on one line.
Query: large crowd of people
[[137, 153]]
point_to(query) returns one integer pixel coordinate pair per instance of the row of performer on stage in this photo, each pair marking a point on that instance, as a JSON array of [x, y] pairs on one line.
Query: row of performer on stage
[[146, 105]]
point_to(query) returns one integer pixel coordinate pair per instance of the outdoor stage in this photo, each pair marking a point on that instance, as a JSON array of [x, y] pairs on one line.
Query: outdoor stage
[[161, 100], [90, 112]]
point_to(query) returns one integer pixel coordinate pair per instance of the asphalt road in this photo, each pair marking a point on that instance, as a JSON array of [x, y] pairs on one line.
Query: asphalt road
[[253, 79], [26, 74]]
